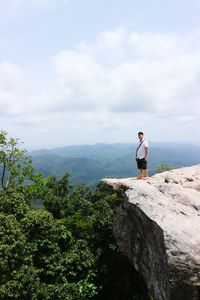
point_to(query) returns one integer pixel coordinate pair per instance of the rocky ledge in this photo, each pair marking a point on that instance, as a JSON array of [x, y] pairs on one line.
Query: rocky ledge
[[157, 225]]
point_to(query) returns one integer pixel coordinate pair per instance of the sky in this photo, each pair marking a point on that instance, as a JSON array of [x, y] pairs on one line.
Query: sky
[[98, 71]]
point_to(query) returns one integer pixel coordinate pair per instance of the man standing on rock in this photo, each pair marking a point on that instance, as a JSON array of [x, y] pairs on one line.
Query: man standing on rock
[[142, 156]]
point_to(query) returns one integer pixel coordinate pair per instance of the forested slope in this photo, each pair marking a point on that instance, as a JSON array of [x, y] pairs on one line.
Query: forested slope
[[64, 248]]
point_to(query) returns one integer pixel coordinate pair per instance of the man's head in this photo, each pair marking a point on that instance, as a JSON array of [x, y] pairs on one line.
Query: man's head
[[140, 135]]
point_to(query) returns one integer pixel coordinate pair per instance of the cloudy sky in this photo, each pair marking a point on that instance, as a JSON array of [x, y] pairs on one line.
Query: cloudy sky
[[90, 71]]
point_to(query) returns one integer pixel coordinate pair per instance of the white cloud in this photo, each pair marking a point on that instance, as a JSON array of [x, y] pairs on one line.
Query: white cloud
[[160, 73], [11, 85], [152, 77]]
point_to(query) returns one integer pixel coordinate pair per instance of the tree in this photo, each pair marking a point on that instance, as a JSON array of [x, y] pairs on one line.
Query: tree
[[15, 165], [163, 167], [63, 249]]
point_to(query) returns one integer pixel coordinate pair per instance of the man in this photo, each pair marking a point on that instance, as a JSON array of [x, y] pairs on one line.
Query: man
[[142, 156]]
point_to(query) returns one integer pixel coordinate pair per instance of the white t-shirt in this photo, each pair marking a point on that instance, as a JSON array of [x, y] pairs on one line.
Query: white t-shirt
[[141, 150]]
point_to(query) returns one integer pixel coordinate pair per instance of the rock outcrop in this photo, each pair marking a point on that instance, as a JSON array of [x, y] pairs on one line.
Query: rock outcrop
[[157, 225]]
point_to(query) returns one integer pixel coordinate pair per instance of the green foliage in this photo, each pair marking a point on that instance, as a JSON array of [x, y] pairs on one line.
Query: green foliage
[[59, 186], [13, 203], [15, 165], [163, 167], [63, 249], [73, 256], [11, 246]]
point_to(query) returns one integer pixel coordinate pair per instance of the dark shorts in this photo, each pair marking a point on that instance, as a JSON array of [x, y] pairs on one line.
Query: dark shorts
[[141, 164]]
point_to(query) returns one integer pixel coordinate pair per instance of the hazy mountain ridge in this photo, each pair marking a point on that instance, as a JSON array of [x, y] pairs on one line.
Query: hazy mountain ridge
[[97, 151], [89, 163]]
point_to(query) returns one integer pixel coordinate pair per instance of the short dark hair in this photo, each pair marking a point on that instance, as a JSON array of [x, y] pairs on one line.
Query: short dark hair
[[140, 132]]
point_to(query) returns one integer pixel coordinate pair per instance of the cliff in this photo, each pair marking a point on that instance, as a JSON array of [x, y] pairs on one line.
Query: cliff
[[157, 225]]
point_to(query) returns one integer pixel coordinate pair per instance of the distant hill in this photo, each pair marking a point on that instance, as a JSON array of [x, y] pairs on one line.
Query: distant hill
[[100, 152], [82, 170], [89, 163]]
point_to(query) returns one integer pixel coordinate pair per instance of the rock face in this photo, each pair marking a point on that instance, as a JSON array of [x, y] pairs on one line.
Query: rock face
[[157, 225]]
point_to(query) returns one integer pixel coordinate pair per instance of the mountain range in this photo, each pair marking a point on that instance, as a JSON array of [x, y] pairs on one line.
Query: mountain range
[[87, 164]]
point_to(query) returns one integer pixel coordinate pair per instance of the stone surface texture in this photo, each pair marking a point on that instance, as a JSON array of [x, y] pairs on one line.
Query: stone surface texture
[[157, 225]]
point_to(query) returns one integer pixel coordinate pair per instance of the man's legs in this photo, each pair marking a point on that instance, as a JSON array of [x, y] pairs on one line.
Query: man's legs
[[142, 167], [145, 173], [139, 168], [144, 170], [140, 175]]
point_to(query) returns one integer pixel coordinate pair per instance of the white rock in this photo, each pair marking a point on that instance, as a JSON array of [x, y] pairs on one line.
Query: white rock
[[158, 228]]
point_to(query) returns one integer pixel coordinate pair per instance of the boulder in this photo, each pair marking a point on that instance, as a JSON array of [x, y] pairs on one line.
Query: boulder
[[157, 225]]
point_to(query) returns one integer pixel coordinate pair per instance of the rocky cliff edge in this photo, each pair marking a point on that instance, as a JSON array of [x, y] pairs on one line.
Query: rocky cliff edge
[[157, 225]]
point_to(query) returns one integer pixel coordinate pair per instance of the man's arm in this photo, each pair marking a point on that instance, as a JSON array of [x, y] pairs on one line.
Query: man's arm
[[146, 153], [136, 154]]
